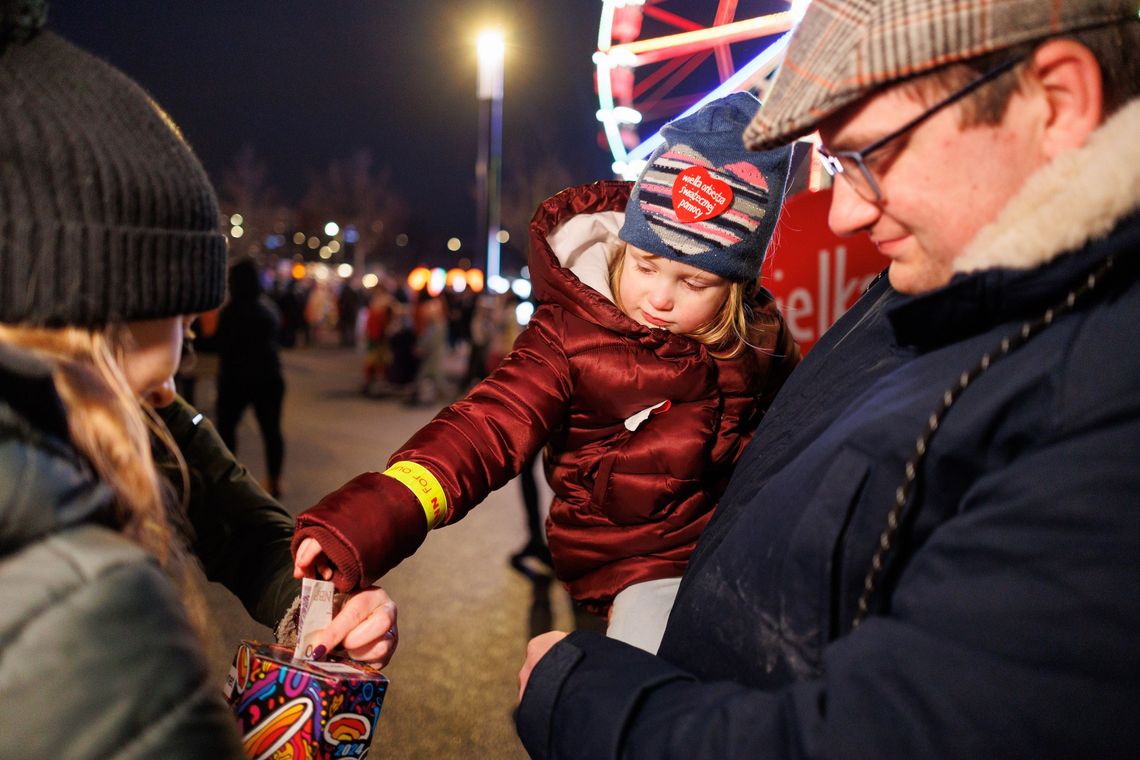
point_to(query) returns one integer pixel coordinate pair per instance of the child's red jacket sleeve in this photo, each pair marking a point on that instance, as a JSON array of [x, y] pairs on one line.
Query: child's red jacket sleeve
[[474, 446]]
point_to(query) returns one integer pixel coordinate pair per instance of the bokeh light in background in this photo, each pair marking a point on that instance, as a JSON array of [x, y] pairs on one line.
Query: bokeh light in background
[[521, 288], [437, 281], [457, 280], [418, 278], [475, 279], [369, 280], [498, 284], [524, 311]]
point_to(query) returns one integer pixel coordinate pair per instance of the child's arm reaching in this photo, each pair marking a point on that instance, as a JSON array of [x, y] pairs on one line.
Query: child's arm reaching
[[478, 444]]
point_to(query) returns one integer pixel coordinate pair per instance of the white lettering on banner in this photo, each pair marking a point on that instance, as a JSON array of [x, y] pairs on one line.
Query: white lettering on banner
[[834, 295]]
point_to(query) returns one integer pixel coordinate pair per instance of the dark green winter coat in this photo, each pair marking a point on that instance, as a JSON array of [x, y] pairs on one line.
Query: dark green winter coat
[[97, 656]]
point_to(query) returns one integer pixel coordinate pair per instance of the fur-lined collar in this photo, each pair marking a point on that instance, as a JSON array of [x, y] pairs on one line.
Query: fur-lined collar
[[1079, 197]]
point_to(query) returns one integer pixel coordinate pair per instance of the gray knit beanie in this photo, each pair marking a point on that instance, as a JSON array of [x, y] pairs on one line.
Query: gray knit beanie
[[704, 199], [105, 213]]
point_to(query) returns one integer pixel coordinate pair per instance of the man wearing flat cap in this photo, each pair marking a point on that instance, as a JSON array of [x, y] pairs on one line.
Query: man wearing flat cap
[[930, 548]]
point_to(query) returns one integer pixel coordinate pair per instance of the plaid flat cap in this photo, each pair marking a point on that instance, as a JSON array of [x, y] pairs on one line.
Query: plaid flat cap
[[845, 49]]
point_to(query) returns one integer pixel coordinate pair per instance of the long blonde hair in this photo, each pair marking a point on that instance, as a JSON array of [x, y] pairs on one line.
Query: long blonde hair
[[727, 333], [111, 427]]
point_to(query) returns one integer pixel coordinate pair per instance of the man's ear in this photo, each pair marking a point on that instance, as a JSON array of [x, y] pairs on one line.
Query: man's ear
[[1069, 77]]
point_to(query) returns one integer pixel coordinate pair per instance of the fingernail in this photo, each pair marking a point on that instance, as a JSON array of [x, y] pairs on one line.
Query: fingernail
[[319, 652]]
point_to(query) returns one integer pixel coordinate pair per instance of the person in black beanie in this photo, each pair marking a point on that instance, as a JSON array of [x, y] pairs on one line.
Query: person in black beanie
[[109, 242]]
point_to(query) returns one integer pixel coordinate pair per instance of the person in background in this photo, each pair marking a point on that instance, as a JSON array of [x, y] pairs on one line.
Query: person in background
[[348, 302], [929, 549], [430, 352], [109, 244], [651, 358], [483, 325], [249, 367], [378, 351]]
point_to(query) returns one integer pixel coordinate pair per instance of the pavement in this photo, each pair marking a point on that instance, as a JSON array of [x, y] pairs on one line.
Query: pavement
[[465, 616]]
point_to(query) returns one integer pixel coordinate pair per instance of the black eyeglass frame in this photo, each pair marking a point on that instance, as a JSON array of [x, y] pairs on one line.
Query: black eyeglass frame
[[832, 163]]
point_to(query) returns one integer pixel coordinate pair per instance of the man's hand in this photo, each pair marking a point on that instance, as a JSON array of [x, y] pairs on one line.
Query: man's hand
[[536, 649], [365, 627]]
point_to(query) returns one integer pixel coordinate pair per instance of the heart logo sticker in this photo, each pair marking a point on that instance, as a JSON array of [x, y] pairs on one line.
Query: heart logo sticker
[[698, 195]]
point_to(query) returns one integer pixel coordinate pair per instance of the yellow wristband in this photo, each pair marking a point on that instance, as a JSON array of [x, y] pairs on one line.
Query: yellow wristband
[[426, 488]]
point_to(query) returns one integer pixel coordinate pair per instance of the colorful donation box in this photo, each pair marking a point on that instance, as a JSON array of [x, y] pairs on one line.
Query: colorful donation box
[[302, 709]]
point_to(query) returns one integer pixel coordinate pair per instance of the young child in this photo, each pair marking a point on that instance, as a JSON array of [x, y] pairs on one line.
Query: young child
[[643, 372]]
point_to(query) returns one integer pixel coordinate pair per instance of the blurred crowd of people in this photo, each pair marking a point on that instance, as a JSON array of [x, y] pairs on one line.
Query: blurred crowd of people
[[416, 347]]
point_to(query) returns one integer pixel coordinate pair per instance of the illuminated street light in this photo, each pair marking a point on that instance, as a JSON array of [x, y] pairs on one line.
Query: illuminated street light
[[491, 47]]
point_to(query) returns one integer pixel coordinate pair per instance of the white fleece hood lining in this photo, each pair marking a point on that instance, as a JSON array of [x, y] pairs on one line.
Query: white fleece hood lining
[[584, 243]]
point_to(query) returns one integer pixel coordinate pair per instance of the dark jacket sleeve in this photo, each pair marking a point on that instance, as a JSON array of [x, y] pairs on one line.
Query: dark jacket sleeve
[[474, 446], [241, 534]]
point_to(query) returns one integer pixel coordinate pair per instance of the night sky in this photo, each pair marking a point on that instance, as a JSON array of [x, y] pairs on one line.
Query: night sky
[[303, 83]]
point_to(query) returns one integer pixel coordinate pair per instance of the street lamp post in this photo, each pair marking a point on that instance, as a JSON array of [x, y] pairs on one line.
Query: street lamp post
[[489, 166]]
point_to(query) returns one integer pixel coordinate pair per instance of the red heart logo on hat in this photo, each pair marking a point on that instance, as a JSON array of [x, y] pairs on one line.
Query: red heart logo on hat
[[698, 195]]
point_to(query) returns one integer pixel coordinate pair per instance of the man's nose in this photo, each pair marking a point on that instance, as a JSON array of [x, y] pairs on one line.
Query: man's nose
[[850, 212]]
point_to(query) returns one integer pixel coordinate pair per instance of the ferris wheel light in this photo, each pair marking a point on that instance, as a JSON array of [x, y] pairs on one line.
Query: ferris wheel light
[[618, 56], [799, 8], [629, 170], [619, 115], [627, 115]]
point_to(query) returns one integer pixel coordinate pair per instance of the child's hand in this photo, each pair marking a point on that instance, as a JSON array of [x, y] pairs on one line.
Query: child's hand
[[536, 649], [365, 627], [310, 561]]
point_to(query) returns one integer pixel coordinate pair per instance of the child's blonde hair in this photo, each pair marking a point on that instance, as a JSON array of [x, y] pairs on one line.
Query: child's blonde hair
[[727, 333], [112, 428]]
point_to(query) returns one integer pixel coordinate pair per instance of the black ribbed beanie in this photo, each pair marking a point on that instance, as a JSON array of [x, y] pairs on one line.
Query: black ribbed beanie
[[106, 215]]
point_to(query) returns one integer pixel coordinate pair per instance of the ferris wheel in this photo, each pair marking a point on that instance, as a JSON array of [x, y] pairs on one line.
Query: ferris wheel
[[660, 59]]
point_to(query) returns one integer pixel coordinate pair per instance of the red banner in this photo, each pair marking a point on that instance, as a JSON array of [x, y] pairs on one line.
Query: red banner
[[815, 275]]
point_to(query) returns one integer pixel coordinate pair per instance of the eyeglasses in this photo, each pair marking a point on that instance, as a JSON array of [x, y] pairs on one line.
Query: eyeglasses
[[851, 164]]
